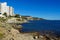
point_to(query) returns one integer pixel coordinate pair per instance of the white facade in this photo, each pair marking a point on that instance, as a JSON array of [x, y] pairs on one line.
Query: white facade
[[11, 11], [6, 9]]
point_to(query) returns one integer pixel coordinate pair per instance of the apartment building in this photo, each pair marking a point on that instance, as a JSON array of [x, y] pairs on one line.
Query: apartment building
[[6, 9]]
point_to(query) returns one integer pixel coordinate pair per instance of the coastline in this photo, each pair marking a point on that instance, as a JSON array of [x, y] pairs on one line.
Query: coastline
[[15, 34], [13, 31]]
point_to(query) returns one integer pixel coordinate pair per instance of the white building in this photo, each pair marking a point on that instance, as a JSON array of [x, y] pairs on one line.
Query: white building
[[11, 11], [6, 9]]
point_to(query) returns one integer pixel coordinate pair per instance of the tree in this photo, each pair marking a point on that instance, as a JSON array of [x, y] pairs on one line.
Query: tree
[[5, 14], [17, 15]]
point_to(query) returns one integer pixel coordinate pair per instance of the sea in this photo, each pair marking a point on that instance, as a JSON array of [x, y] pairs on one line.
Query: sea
[[41, 25]]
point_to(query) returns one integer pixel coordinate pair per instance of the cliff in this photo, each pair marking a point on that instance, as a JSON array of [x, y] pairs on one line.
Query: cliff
[[31, 18]]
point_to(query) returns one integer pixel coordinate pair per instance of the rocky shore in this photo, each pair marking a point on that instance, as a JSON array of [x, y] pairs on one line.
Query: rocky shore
[[11, 31]]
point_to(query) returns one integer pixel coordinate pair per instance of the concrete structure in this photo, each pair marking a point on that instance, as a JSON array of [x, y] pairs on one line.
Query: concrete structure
[[6, 9], [11, 11]]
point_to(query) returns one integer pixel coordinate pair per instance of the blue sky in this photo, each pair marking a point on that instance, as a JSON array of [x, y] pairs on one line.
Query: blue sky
[[47, 9]]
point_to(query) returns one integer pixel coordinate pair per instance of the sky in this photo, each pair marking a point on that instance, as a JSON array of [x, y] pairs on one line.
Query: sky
[[47, 9]]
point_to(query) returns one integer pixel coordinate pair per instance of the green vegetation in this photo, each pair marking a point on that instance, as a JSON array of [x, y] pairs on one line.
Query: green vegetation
[[5, 14], [1, 35], [2, 19], [36, 18], [17, 16], [23, 17], [18, 19]]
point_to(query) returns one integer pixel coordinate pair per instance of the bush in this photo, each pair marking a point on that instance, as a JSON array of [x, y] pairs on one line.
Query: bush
[[2, 19], [1, 35], [17, 15], [5, 14]]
